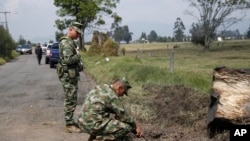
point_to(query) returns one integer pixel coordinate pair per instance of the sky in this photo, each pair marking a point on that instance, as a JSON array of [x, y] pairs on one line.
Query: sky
[[34, 20]]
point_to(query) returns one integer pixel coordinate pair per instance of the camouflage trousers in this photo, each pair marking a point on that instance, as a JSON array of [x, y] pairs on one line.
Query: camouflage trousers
[[114, 130], [70, 87], [103, 138]]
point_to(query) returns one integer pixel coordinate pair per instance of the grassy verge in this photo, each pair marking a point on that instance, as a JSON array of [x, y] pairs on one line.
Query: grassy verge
[[149, 64], [192, 66], [164, 99], [14, 54]]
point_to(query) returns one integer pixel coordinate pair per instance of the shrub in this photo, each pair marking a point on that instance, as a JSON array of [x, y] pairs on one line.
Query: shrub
[[123, 51], [110, 48], [102, 45], [2, 61]]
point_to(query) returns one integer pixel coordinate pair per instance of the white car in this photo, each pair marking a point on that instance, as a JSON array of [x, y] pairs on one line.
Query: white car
[[47, 53], [44, 48]]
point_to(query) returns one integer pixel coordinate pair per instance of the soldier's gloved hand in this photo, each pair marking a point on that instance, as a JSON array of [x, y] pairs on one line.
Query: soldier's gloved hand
[[139, 133]]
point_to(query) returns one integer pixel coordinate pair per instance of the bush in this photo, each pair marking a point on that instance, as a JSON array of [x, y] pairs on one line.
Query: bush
[[123, 51], [7, 44], [110, 48], [102, 45], [94, 49], [2, 61], [15, 54]]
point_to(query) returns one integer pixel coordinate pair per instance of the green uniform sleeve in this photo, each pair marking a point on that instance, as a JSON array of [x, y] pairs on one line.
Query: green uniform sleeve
[[69, 55], [121, 113]]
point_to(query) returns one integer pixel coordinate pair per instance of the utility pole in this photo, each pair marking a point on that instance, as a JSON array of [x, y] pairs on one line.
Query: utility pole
[[6, 21]]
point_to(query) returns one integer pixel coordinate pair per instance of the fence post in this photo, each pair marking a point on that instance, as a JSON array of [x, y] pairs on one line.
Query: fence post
[[171, 62]]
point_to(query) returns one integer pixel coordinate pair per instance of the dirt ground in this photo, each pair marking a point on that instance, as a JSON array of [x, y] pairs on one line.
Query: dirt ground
[[181, 114]]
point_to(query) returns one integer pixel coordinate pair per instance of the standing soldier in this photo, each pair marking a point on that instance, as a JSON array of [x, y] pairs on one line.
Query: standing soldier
[[68, 72]]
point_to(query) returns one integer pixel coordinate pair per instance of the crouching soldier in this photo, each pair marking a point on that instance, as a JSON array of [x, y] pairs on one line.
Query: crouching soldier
[[95, 115]]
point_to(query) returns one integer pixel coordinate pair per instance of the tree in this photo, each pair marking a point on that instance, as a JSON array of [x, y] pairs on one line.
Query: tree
[[86, 12], [162, 39], [152, 36], [122, 34], [197, 33], [143, 36], [230, 34], [59, 34], [21, 40], [248, 33], [29, 42], [118, 34], [216, 13], [178, 30], [127, 36], [7, 44]]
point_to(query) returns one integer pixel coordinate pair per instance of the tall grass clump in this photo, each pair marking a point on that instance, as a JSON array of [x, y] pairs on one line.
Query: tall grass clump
[[2, 61], [5, 59]]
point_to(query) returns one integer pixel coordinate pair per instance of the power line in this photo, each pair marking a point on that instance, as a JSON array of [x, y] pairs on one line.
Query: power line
[[6, 21]]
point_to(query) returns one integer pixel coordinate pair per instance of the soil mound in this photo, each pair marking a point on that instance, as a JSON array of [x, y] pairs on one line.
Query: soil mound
[[180, 113]]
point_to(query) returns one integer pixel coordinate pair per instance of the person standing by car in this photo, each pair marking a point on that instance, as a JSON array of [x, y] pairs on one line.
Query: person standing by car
[[69, 63], [39, 53]]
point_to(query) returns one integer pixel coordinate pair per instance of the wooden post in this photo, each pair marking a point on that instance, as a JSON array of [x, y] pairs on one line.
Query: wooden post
[[138, 54], [230, 99], [171, 62]]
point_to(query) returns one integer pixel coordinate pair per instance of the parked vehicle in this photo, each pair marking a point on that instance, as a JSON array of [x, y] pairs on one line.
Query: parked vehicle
[[43, 48], [18, 48], [26, 48], [54, 55], [47, 53]]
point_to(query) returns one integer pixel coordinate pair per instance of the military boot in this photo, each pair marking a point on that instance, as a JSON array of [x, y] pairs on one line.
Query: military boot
[[72, 129], [92, 138]]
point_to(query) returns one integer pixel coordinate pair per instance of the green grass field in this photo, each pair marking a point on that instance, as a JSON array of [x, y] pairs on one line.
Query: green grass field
[[150, 63]]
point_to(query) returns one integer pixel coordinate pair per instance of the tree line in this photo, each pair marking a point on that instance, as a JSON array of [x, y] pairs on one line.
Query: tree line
[[212, 14]]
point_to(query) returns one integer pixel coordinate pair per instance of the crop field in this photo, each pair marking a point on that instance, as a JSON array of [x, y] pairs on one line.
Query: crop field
[[171, 84]]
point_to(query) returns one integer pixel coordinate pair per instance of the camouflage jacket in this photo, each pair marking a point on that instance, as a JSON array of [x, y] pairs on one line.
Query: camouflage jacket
[[67, 52], [99, 104]]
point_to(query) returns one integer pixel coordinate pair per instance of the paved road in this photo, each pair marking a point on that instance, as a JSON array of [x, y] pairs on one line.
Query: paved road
[[32, 102]]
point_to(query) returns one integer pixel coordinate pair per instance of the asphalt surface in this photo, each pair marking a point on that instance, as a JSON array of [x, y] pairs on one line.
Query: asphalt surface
[[32, 102]]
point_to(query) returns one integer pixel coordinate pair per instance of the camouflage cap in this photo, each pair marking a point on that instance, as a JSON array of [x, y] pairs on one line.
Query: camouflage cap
[[77, 26], [126, 84]]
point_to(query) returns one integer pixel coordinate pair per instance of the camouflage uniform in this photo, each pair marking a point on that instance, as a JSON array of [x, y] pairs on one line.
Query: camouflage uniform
[[94, 117], [69, 59]]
